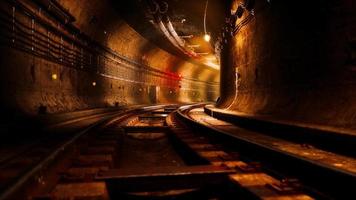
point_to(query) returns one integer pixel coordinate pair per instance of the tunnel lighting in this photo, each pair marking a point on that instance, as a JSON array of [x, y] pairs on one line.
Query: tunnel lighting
[[54, 76], [207, 37], [186, 36], [212, 64], [93, 83]]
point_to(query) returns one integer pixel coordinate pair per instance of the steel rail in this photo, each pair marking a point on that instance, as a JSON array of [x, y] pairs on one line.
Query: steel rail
[[312, 173], [10, 190]]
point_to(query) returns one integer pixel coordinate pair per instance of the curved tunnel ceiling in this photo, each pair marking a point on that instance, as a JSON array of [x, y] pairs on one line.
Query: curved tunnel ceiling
[[84, 42], [124, 27], [182, 21]]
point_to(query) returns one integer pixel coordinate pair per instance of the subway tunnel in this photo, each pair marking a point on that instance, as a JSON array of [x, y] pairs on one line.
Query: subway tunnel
[[177, 99]]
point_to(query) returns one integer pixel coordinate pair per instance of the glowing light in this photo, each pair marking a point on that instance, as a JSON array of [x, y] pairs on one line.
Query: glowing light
[[54, 76], [212, 65], [93, 83], [207, 37], [338, 164]]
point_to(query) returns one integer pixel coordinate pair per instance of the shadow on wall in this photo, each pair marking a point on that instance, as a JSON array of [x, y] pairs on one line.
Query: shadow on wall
[[295, 62]]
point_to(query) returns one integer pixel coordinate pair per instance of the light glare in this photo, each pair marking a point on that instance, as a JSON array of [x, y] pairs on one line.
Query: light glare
[[207, 37]]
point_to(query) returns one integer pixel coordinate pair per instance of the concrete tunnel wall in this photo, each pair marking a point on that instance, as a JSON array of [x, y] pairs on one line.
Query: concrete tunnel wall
[[98, 46], [295, 60]]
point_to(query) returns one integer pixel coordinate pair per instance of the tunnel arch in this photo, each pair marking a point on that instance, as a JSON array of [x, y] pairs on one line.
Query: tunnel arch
[[94, 44]]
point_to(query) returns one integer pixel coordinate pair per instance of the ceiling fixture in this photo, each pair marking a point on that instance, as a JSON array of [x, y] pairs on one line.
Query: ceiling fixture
[[186, 36], [206, 35], [163, 22]]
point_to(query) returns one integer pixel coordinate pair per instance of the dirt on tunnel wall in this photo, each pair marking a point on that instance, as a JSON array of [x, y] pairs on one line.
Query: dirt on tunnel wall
[[81, 54], [294, 60]]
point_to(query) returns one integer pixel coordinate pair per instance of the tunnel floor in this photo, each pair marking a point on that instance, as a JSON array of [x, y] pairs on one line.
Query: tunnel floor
[[144, 149], [174, 152], [130, 156]]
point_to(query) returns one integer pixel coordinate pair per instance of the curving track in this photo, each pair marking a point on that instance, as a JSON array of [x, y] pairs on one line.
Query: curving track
[[172, 152], [30, 164], [324, 172]]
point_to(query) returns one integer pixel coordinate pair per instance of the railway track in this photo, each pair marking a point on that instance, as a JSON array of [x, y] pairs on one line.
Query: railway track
[[28, 164], [323, 172], [166, 152]]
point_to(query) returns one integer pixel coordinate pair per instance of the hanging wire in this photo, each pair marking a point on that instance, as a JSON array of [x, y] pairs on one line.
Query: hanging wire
[[206, 7]]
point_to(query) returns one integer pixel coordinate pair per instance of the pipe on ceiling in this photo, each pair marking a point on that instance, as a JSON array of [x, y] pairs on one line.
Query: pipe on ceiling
[[169, 32], [178, 40]]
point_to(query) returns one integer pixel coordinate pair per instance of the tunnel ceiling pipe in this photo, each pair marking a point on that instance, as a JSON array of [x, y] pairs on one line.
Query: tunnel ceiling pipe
[[153, 7], [167, 34], [165, 6], [239, 11], [170, 33], [186, 36], [53, 7], [206, 7], [174, 33], [180, 42]]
